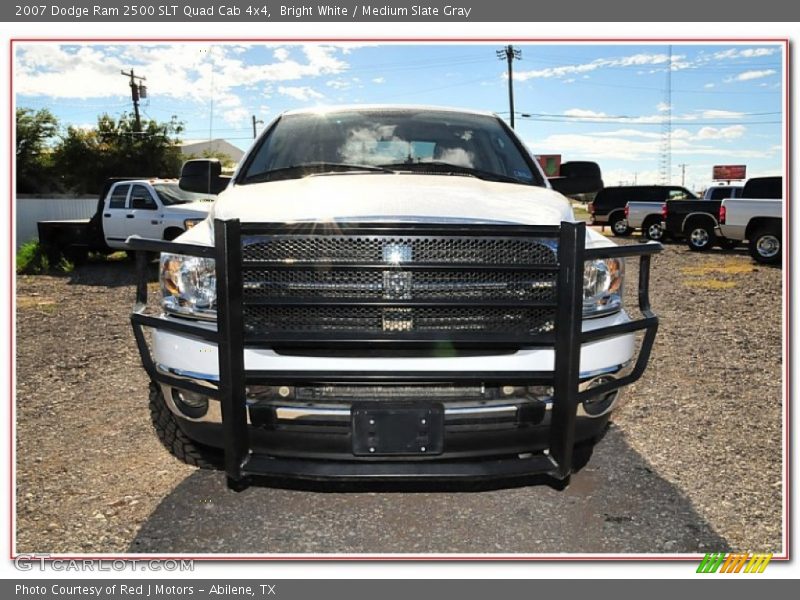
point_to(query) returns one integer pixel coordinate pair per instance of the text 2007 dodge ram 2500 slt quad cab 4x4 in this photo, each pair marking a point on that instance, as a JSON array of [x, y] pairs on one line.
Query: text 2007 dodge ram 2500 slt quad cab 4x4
[[389, 293]]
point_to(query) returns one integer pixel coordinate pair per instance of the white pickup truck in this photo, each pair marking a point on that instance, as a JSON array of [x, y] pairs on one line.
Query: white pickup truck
[[388, 293], [150, 208], [756, 216]]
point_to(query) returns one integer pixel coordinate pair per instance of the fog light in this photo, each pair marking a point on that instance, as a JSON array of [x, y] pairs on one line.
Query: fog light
[[597, 406], [192, 405]]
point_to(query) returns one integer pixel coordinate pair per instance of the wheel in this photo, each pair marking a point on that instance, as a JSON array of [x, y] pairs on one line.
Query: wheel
[[727, 244], [765, 246], [700, 236], [620, 226], [653, 229], [175, 440]]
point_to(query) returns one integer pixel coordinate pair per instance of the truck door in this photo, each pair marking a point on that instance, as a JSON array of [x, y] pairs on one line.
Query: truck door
[[144, 216], [114, 215]]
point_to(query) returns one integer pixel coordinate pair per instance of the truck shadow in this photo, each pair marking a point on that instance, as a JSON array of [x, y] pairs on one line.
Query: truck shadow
[[117, 273], [616, 504]]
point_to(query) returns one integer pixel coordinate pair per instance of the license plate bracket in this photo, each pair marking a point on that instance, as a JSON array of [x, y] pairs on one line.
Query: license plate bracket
[[397, 429]]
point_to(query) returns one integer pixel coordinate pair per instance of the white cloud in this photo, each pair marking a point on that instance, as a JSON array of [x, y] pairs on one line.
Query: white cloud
[[338, 84], [600, 63], [379, 80], [663, 107], [301, 93], [584, 114], [721, 114], [744, 53], [187, 71], [708, 86], [619, 145], [756, 74], [724, 133]]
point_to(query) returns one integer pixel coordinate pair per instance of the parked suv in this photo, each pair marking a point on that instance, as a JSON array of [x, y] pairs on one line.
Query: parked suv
[[608, 207], [400, 296]]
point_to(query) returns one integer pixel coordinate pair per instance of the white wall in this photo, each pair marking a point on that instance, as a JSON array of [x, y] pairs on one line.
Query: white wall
[[29, 211]]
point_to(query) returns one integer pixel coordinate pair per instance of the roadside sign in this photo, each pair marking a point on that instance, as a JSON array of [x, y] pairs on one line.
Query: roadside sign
[[729, 172], [550, 163]]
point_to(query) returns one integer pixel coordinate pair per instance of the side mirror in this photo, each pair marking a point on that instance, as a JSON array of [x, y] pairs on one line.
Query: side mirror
[[203, 176], [578, 177]]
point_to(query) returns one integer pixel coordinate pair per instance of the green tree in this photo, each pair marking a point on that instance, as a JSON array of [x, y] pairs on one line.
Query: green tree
[[35, 129], [85, 158]]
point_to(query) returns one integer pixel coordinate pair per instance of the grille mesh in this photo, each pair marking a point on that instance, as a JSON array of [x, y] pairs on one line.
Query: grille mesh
[[420, 285], [291, 301], [375, 319], [344, 249]]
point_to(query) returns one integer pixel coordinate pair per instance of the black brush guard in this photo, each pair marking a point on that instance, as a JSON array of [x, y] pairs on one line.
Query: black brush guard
[[231, 338]]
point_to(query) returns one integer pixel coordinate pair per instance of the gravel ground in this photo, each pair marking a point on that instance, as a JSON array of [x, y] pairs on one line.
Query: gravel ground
[[691, 463]]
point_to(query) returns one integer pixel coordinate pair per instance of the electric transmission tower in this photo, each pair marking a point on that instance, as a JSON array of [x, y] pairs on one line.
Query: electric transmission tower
[[665, 159]]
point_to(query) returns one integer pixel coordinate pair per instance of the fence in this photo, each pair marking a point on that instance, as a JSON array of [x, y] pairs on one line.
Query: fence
[[30, 210]]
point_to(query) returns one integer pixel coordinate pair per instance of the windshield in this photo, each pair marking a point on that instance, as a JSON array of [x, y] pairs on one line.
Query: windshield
[[381, 141], [170, 193]]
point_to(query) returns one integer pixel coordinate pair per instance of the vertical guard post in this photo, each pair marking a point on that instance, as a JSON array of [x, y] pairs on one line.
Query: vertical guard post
[[569, 315], [230, 326]]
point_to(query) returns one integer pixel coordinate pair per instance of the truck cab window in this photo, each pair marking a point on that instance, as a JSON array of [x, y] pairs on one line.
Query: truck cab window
[[141, 198], [118, 196]]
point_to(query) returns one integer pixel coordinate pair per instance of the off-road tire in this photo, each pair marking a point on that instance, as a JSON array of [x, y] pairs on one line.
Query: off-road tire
[[175, 440]]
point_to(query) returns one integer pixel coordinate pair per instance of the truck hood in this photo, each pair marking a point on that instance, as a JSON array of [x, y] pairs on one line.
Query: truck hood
[[192, 209], [393, 197], [381, 197]]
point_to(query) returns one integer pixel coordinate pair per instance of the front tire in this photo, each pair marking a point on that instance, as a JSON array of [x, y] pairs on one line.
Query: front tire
[[175, 440], [766, 246], [619, 226], [700, 237]]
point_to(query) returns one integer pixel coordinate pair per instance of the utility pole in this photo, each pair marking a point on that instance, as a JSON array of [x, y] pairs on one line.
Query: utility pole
[[138, 90], [256, 122], [683, 173], [510, 54]]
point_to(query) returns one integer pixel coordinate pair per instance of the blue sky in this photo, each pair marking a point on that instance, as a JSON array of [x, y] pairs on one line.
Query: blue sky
[[598, 102]]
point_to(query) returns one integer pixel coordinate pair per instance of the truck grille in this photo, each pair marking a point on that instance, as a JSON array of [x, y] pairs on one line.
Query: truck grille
[[340, 249], [472, 286]]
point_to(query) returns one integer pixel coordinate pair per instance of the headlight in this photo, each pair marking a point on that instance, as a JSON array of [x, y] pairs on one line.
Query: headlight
[[188, 285], [189, 223], [602, 286]]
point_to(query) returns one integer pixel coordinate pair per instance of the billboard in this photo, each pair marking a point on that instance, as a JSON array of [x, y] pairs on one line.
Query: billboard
[[729, 172], [550, 163]]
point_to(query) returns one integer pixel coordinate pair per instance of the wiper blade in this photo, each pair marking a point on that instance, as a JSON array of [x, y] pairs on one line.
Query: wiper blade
[[445, 168], [314, 168]]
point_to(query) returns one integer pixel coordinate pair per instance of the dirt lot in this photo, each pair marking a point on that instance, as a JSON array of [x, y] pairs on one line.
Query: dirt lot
[[691, 464]]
